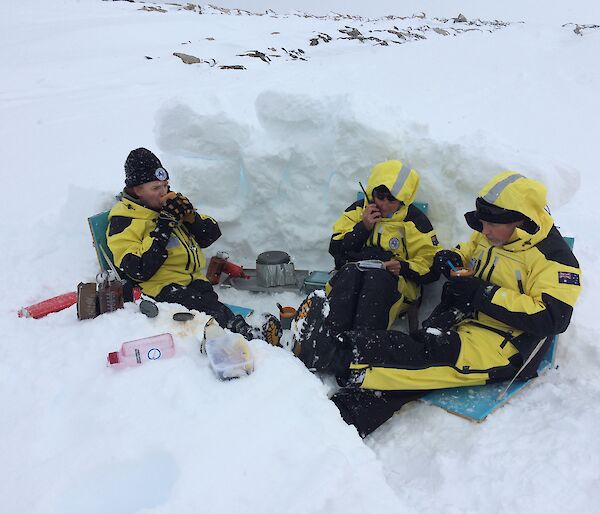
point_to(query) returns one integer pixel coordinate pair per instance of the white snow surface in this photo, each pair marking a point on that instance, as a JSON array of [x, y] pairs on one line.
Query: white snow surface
[[275, 153]]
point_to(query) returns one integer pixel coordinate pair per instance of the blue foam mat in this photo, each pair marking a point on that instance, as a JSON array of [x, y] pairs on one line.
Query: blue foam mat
[[237, 309], [478, 402]]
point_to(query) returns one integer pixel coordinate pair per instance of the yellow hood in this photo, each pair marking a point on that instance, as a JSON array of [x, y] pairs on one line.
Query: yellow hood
[[400, 179], [513, 191]]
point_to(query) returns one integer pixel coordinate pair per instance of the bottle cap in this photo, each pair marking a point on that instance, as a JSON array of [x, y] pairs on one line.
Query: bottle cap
[[113, 358]]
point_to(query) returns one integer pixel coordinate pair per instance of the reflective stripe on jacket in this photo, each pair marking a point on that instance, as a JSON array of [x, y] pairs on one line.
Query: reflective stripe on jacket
[[535, 277]]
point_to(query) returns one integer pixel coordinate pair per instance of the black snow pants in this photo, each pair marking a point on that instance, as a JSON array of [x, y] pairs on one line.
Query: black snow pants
[[367, 409], [362, 299], [198, 295]]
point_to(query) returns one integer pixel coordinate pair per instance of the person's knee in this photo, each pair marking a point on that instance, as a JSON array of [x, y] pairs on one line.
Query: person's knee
[[378, 278], [349, 270], [441, 346]]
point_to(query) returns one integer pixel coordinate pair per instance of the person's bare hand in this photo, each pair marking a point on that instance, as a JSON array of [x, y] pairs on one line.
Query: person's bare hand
[[393, 267], [371, 216]]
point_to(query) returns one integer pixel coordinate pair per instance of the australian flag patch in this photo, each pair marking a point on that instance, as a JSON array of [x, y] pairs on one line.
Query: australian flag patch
[[566, 277]]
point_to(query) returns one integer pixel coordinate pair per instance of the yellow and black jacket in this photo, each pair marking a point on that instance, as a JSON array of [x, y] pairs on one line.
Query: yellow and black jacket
[[534, 279], [406, 236], [533, 283], [154, 254]]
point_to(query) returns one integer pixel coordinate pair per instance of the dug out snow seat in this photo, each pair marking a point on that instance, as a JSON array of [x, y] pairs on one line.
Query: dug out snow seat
[[98, 227]]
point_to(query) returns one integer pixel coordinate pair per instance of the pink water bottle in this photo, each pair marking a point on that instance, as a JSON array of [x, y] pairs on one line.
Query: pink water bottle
[[134, 353]]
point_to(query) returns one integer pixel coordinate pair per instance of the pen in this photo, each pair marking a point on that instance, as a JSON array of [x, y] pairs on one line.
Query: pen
[[452, 266]]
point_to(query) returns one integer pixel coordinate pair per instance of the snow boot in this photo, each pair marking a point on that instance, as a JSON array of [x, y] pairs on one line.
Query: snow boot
[[266, 327], [312, 341], [270, 329]]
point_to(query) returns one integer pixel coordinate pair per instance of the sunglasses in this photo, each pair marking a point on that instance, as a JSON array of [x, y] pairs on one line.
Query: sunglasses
[[381, 195]]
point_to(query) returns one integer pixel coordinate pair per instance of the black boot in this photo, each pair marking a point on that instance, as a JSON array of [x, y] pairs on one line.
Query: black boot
[[238, 325], [312, 337], [269, 329]]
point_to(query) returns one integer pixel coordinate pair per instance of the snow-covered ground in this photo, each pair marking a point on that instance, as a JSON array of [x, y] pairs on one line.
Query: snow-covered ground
[[275, 152]]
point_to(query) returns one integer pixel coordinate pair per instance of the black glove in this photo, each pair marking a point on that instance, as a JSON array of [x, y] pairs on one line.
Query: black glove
[[440, 262], [190, 212], [446, 316], [404, 270], [165, 224], [464, 292], [177, 206]]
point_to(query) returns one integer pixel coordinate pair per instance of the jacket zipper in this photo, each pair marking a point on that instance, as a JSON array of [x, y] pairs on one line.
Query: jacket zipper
[[519, 281], [487, 261], [193, 249], [506, 334], [179, 235], [404, 246], [478, 262], [489, 275], [371, 236]]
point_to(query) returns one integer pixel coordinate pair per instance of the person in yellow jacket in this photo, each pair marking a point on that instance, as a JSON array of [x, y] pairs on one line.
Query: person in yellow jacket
[[516, 286], [385, 226], [156, 237]]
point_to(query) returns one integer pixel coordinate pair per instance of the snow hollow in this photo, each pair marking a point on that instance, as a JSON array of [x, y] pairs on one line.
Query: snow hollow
[[274, 151]]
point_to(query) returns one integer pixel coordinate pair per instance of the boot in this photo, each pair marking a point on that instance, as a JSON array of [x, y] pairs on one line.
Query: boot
[[269, 328], [239, 325], [312, 340], [266, 327]]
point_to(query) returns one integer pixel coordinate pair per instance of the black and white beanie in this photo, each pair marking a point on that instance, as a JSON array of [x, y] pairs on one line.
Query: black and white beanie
[[143, 166]]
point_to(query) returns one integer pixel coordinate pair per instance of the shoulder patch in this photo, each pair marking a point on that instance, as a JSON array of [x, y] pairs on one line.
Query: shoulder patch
[[434, 240], [117, 224], [420, 220], [568, 277], [554, 248], [355, 205]]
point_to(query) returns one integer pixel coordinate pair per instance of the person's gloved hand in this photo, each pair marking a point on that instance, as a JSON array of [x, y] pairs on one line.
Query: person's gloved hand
[[190, 212], [464, 292], [440, 262], [178, 207]]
